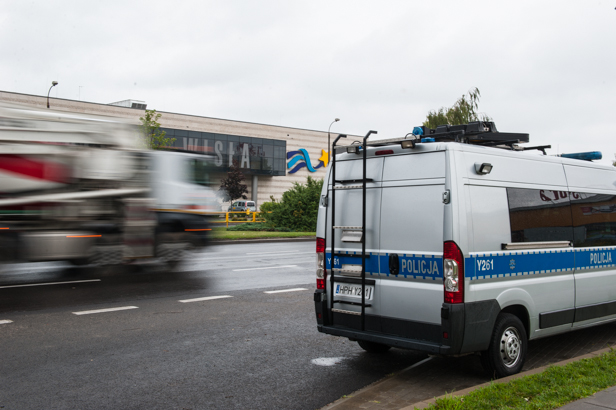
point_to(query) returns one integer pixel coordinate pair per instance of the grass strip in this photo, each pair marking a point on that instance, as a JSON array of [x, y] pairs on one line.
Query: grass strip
[[222, 234], [553, 388]]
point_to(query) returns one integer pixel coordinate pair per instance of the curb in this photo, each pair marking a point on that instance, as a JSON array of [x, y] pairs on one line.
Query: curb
[[262, 240], [372, 385], [426, 403]]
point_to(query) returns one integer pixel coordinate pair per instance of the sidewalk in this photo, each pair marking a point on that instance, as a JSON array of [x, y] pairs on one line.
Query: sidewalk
[[602, 400], [419, 385], [607, 396]]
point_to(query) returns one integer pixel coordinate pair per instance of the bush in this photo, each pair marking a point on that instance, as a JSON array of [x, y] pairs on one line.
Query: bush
[[298, 208]]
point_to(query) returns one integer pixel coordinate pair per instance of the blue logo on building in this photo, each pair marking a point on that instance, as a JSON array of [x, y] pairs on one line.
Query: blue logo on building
[[300, 159]]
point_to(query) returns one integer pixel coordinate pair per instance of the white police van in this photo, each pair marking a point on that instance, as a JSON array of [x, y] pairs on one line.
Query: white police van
[[454, 241]]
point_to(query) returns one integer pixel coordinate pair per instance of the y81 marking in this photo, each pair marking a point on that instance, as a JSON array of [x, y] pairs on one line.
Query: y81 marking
[[485, 264]]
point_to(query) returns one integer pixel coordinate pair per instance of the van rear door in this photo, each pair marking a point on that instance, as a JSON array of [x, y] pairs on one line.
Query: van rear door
[[411, 239]]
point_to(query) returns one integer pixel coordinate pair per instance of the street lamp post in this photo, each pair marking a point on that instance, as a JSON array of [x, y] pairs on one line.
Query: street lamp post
[[328, 139], [53, 84]]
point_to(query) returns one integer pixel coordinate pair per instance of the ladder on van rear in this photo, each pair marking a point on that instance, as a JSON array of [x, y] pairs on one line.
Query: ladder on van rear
[[352, 230]]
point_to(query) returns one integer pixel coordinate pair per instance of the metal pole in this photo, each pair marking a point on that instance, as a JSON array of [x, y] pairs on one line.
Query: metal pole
[[363, 236], [328, 139], [53, 84]]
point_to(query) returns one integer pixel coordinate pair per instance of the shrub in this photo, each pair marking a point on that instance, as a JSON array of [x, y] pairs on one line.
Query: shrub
[[298, 208]]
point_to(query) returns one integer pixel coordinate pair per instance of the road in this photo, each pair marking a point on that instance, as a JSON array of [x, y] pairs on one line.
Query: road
[[61, 348]]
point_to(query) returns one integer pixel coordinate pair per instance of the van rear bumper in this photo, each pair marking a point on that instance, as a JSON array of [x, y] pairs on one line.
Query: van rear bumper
[[464, 327]]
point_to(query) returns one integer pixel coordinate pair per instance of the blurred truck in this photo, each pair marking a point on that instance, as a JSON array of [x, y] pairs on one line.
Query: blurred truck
[[83, 189]]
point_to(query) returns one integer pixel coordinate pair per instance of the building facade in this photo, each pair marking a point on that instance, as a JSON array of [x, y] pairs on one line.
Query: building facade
[[271, 157]]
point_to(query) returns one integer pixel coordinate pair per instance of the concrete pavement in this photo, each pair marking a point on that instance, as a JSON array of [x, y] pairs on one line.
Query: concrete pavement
[[419, 385], [605, 399]]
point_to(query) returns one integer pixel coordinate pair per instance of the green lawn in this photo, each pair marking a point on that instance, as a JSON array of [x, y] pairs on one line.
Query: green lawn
[[222, 233], [553, 388]]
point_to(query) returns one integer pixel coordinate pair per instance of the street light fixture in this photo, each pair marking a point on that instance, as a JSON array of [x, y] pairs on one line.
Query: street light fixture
[[53, 84], [328, 139]]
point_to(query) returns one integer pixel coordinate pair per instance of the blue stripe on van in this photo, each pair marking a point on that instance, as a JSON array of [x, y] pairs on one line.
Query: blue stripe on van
[[593, 258], [521, 263], [372, 266], [486, 265], [415, 265]]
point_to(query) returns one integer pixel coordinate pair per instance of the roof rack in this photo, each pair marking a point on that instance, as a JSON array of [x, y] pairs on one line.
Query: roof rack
[[476, 132]]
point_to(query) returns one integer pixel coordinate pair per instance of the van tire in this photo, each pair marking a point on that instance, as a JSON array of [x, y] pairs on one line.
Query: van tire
[[372, 347], [507, 351]]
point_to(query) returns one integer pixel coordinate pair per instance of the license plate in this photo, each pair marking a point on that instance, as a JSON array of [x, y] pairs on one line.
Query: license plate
[[353, 291]]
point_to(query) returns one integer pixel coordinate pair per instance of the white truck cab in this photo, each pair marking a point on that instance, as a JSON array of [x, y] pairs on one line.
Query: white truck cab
[[456, 241]]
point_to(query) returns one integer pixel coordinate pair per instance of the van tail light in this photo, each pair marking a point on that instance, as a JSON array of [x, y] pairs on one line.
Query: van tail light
[[321, 271], [453, 273]]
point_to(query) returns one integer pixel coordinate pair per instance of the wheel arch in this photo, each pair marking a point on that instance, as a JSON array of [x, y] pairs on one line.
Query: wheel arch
[[521, 313]]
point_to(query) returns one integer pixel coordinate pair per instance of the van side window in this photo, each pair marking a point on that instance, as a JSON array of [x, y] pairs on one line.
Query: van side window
[[594, 219], [538, 215]]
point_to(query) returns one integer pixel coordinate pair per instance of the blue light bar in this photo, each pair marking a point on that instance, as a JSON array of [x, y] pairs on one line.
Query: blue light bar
[[585, 156]]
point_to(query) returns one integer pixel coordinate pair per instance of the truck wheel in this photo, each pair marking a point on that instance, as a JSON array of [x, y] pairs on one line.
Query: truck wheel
[[372, 347], [507, 351]]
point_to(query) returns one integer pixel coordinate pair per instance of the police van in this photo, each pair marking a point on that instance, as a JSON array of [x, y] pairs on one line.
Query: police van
[[459, 240]]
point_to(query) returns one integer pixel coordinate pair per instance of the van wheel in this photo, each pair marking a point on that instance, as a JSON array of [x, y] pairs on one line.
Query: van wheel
[[507, 351], [372, 347]]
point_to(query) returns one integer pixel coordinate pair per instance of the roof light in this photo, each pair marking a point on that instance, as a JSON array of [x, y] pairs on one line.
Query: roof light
[[483, 168], [353, 149], [418, 131], [585, 156]]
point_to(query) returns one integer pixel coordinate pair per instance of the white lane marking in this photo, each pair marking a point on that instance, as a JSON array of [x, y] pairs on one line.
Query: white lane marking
[[285, 290], [89, 312], [5, 322], [269, 267], [50, 283], [205, 298], [327, 361], [272, 253], [221, 258]]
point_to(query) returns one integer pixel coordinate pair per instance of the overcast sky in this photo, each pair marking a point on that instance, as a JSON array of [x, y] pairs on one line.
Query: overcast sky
[[547, 68]]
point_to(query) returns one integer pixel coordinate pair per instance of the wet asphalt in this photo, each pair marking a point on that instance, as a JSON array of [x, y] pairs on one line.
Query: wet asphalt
[[248, 350]]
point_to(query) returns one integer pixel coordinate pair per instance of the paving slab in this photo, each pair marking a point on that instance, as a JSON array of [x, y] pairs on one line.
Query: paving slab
[[605, 399]]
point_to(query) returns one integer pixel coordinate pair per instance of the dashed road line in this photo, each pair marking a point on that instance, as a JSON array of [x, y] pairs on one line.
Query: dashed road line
[[89, 312], [277, 253], [50, 283], [205, 298], [268, 267], [5, 322], [285, 290]]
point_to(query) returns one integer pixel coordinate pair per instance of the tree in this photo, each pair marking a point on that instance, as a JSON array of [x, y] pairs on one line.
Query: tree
[[231, 186], [462, 112], [150, 127], [298, 208]]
